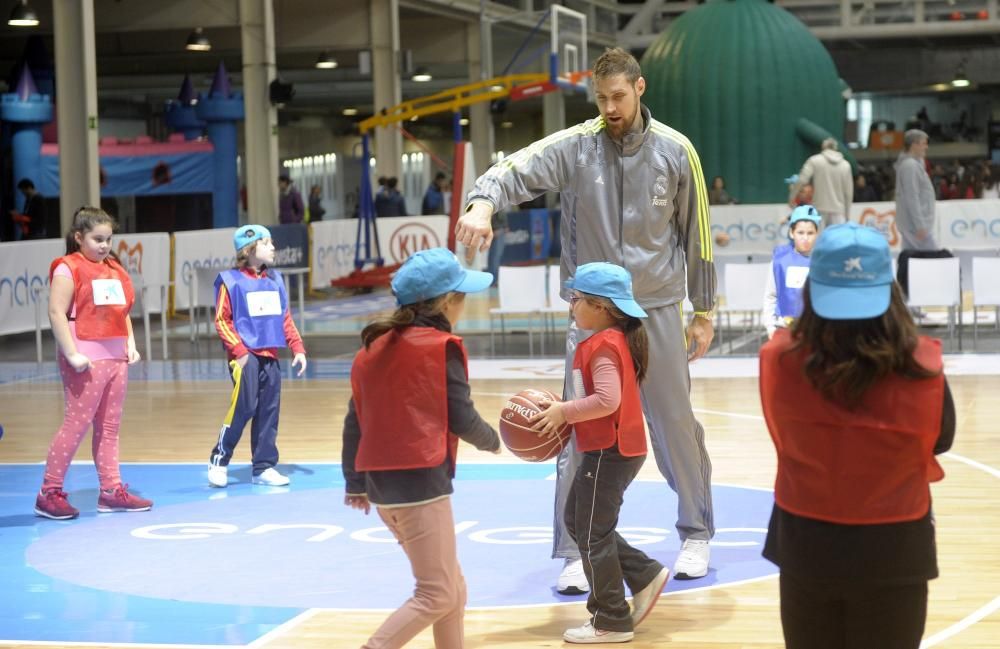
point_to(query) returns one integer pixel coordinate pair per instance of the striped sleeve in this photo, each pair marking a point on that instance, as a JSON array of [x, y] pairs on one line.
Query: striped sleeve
[[224, 325], [694, 222]]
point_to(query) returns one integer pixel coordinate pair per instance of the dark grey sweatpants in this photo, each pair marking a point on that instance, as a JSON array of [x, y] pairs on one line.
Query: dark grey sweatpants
[[677, 439]]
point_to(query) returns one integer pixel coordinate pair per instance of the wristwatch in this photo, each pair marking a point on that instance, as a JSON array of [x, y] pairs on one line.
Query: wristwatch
[[707, 315]]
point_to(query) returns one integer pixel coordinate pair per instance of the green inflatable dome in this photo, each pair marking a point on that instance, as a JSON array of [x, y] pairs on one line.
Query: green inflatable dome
[[751, 87]]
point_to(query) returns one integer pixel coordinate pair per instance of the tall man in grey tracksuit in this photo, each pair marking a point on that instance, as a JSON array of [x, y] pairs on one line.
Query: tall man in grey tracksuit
[[633, 194]]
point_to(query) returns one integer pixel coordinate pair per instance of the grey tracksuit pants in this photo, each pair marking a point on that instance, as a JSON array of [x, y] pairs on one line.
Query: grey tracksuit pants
[[676, 437]]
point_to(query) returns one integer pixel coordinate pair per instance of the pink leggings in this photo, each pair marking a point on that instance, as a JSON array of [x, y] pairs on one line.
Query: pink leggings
[[427, 534], [96, 396]]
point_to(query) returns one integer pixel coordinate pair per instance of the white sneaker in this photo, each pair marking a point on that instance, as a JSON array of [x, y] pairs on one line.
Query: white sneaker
[[587, 634], [272, 478], [692, 562], [572, 580], [218, 476], [645, 599]]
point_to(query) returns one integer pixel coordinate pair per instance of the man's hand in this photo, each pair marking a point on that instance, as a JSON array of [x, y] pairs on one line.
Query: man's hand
[[701, 332], [474, 231]]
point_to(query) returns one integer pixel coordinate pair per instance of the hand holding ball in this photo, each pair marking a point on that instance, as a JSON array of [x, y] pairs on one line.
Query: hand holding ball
[[518, 434]]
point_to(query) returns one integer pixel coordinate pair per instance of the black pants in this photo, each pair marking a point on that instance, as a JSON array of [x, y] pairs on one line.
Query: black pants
[[591, 518], [256, 395], [821, 615]]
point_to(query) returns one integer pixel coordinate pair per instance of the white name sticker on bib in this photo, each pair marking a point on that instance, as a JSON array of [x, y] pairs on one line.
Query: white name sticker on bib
[[261, 303], [108, 292], [795, 276]]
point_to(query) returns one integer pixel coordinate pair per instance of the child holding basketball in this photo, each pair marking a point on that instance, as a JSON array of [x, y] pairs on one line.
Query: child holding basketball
[[254, 322], [608, 424], [89, 300], [789, 269], [409, 407]]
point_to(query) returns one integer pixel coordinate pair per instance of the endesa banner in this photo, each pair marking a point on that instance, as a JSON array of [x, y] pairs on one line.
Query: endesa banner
[[24, 267], [757, 229]]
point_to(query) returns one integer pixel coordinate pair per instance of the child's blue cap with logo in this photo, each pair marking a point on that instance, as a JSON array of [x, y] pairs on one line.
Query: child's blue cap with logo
[[850, 275], [610, 281], [433, 272], [247, 234], [804, 213]]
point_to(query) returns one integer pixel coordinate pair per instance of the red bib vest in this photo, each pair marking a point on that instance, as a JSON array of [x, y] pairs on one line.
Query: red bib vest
[[862, 467], [98, 312], [400, 390], [625, 425]]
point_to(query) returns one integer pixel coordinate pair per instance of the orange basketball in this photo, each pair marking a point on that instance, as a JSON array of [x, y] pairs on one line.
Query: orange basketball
[[516, 432]]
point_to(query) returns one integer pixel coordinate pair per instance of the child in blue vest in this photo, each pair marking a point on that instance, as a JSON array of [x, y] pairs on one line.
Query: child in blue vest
[[789, 269], [254, 322], [409, 407], [607, 419]]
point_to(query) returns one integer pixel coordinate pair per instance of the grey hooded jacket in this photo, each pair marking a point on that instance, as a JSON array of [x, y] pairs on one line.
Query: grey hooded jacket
[[641, 204]]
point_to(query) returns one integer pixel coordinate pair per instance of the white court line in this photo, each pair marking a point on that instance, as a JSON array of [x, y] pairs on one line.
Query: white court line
[[283, 627], [961, 625]]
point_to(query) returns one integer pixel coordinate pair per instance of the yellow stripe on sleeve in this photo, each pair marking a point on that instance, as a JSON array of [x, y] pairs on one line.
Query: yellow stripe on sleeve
[[227, 333], [704, 219]]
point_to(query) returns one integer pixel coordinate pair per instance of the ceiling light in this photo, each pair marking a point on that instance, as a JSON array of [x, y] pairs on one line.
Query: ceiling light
[[349, 112], [464, 121], [326, 62], [22, 15], [496, 88], [414, 118], [506, 124], [197, 41], [960, 80], [421, 75]]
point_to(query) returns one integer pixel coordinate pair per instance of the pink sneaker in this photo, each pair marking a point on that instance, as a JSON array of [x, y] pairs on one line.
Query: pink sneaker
[[120, 500], [53, 504]]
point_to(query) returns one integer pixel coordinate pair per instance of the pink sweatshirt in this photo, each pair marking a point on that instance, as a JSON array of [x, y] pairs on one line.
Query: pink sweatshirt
[[607, 390]]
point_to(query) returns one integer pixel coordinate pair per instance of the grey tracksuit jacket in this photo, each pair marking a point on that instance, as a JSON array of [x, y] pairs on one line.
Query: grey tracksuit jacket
[[641, 204]]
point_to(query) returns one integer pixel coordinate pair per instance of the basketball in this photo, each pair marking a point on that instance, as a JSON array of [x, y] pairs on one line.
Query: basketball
[[516, 432]]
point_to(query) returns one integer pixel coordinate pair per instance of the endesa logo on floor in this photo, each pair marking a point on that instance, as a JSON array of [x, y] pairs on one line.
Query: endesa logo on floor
[[303, 548]]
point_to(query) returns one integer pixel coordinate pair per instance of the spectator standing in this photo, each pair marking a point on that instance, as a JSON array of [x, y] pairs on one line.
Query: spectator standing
[[991, 182], [914, 194], [390, 202], [316, 210], [863, 192], [718, 194], [833, 183], [29, 223], [433, 202], [290, 208]]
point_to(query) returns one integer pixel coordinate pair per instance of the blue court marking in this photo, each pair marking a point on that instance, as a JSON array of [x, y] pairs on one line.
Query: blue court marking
[[226, 566]]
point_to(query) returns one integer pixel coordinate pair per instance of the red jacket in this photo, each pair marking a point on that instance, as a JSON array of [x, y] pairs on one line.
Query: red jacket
[[102, 295], [400, 389], [862, 467], [625, 425]]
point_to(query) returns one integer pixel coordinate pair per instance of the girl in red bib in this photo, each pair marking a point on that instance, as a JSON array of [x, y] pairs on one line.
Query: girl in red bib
[[857, 406], [89, 301], [607, 419], [409, 406]]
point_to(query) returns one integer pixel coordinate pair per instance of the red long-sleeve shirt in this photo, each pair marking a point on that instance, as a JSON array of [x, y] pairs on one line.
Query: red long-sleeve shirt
[[232, 341]]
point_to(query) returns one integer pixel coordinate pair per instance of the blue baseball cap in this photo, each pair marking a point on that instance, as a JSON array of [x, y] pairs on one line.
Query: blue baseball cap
[[247, 234], [610, 281], [433, 272], [850, 273], [804, 213]]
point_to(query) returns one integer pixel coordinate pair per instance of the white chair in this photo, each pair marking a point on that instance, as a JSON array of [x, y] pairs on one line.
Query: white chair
[[522, 291], [745, 286], [556, 305], [937, 282], [985, 290]]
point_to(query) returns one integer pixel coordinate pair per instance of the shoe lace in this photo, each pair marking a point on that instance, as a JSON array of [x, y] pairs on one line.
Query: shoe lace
[[56, 494]]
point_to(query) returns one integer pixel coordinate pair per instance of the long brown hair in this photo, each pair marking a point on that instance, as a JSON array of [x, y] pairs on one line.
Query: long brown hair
[[844, 358], [403, 317], [84, 220], [635, 334]]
